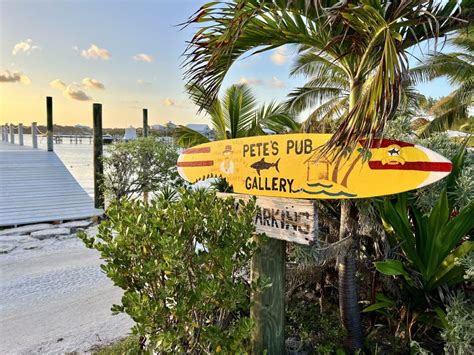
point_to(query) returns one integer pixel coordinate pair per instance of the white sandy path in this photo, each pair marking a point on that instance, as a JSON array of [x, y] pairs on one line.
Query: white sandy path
[[56, 299]]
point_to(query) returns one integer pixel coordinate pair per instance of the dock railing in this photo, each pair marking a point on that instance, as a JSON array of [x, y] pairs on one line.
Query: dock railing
[[8, 134]]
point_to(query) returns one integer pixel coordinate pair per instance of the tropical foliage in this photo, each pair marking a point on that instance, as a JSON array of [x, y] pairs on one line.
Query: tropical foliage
[[181, 264], [237, 115], [369, 39], [453, 110], [137, 166], [327, 92], [425, 249]]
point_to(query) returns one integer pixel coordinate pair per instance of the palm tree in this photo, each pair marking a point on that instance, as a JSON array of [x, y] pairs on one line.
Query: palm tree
[[453, 110], [326, 93], [368, 40], [236, 115]]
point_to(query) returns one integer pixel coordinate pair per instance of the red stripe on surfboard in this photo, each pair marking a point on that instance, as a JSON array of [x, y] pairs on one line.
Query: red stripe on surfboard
[[412, 165], [187, 164], [384, 143], [197, 150]]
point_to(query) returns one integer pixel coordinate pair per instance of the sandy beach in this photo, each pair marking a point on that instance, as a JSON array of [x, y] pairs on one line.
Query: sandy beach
[[55, 298]]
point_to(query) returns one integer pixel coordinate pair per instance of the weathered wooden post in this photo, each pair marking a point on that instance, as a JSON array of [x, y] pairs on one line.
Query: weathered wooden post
[[145, 122], [3, 133], [6, 133], [34, 135], [145, 134], [20, 133], [49, 118], [268, 305], [98, 153], [12, 133]]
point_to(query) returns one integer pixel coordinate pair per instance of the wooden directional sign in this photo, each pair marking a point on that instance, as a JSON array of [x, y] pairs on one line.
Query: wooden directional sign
[[292, 166], [283, 218]]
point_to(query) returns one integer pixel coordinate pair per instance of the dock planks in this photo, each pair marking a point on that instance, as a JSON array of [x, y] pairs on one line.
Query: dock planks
[[35, 187]]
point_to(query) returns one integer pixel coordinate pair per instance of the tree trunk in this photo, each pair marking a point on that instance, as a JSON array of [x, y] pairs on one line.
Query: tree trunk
[[347, 267], [348, 298]]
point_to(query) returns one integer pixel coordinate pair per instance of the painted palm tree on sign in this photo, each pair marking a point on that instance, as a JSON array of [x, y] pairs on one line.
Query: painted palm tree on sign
[[237, 115], [368, 39], [453, 110]]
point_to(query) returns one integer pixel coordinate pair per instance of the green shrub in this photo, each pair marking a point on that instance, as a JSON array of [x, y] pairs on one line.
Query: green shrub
[[182, 264], [137, 166], [459, 332]]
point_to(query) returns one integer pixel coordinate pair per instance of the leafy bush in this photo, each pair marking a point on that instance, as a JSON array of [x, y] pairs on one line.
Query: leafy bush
[[181, 265], [459, 332], [429, 247], [142, 165]]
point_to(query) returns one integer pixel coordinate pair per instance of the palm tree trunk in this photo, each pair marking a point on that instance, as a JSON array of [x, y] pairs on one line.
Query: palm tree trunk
[[347, 267], [348, 298]]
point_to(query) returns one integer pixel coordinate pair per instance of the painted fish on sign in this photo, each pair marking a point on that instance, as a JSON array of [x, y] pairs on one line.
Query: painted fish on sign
[[293, 166]]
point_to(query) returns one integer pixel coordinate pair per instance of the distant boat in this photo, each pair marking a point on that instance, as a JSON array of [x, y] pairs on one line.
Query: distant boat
[[107, 139], [130, 134]]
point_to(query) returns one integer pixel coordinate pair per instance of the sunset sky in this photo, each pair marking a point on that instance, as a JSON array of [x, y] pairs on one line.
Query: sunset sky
[[123, 54]]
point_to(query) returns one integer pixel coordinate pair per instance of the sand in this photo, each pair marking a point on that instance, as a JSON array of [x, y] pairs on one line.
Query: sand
[[54, 298]]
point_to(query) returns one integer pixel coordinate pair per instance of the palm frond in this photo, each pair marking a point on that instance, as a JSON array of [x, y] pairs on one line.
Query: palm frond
[[325, 117], [274, 117], [239, 104], [187, 137], [212, 108], [366, 38]]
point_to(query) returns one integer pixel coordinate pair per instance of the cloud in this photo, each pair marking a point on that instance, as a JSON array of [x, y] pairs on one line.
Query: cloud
[[277, 83], [58, 84], [279, 56], [143, 82], [142, 57], [168, 102], [24, 47], [92, 84], [95, 52], [250, 81], [7, 76], [74, 93]]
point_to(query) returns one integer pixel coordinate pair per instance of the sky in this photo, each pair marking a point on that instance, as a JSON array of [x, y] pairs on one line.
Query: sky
[[125, 55]]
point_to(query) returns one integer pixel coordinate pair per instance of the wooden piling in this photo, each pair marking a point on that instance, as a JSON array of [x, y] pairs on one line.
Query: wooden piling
[[145, 122], [12, 133], [268, 305], [20, 133], [34, 135], [145, 134], [49, 118], [6, 133], [98, 154]]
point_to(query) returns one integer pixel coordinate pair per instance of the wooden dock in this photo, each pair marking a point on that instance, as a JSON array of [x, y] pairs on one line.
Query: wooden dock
[[35, 186]]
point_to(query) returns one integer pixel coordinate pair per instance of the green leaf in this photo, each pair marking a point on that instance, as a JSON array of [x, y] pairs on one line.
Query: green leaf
[[449, 263], [377, 306], [442, 316], [391, 267]]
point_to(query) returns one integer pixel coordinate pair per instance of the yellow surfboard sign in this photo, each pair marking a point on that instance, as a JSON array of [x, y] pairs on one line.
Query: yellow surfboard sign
[[292, 165]]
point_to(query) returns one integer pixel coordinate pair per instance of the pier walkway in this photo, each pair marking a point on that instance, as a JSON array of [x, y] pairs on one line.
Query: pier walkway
[[35, 186]]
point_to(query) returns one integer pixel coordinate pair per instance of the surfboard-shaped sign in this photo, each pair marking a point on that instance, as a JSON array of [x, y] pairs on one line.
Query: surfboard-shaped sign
[[292, 165]]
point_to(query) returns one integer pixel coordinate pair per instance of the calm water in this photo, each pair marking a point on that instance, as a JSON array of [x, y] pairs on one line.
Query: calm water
[[76, 157]]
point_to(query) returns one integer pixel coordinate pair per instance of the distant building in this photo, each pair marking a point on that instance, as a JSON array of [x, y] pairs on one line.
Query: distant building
[[201, 128], [170, 125], [82, 126], [130, 134], [269, 131], [158, 127]]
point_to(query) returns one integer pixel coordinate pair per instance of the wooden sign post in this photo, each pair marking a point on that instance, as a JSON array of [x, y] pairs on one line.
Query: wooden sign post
[[283, 220], [294, 166]]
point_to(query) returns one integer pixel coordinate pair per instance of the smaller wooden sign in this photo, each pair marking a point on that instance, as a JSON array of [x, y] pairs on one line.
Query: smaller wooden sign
[[293, 220]]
